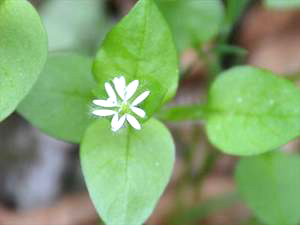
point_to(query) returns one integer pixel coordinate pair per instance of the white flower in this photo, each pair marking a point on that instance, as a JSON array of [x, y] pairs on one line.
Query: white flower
[[120, 105]]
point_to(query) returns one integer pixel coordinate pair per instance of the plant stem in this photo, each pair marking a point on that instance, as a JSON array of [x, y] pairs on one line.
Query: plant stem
[[184, 112]]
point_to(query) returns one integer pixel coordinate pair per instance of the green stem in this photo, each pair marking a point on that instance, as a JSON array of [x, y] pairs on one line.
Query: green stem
[[208, 163], [190, 153], [212, 61], [204, 209], [184, 112]]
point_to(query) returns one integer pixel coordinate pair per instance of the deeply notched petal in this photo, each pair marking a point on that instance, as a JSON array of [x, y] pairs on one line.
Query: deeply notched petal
[[133, 122], [104, 103], [130, 89], [114, 120], [103, 112], [111, 93], [138, 111], [117, 123], [140, 98], [120, 85]]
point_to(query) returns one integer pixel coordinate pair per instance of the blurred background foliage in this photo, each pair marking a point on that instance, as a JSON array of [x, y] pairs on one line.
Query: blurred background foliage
[[40, 177], [80, 26]]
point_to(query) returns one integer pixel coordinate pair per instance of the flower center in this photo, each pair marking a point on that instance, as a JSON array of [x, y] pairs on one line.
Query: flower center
[[125, 108]]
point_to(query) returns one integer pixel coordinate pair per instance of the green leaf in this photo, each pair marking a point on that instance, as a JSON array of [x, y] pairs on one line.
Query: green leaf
[[193, 22], [59, 104], [186, 112], [270, 186], [252, 111], [282, 4], [80, 29], [23, 52], [141, 48], [126, 171]]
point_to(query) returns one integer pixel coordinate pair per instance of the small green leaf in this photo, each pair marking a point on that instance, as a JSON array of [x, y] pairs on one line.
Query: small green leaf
[[231, 49], [141, 48], [59, 104], [270, 186], [283, 4], [23, 52], [81, 27], [126, 172], [251, 111], [193, 22]]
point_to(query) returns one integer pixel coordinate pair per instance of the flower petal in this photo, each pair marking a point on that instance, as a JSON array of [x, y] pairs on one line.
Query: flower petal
[[133, 122], [130, 89], [116, 123], [138, 111], [120, 85], [104, 103], [114, 120], [140, 98], [111, 93], [103, 112]]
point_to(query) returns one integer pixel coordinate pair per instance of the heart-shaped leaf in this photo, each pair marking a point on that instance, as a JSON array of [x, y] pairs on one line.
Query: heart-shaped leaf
[[270, 186], [23, 51], [127, 171], [252, 111], [141, 48], [60, 102], [193, 22]]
